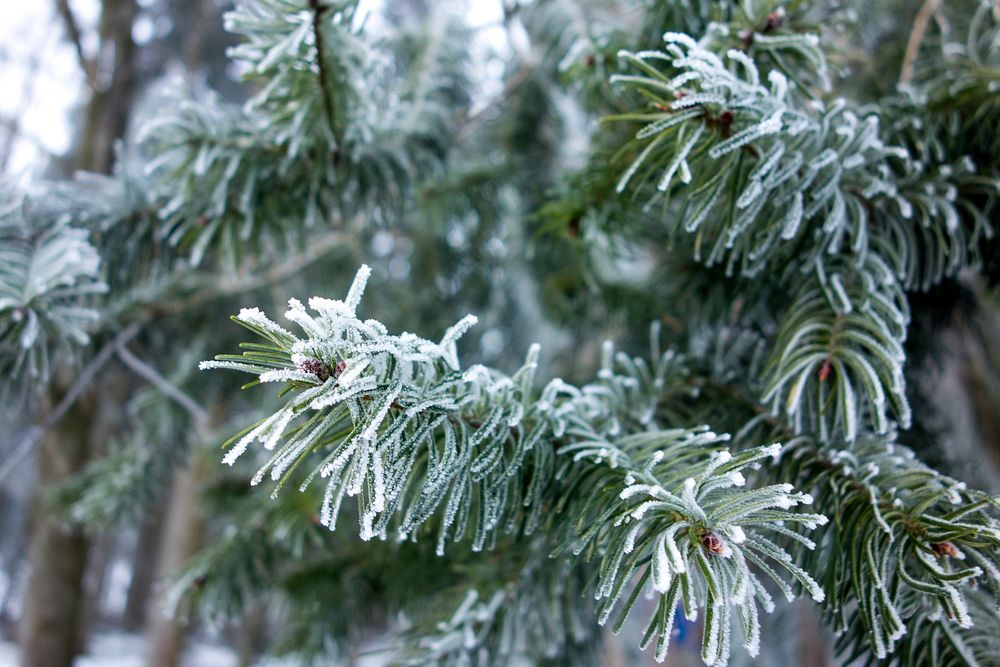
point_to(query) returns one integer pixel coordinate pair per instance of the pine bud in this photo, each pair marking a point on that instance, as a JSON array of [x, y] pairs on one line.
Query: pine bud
[[774, 20], [317, 368], [712, 542], [942, 549], [824, 370], [725, 121]]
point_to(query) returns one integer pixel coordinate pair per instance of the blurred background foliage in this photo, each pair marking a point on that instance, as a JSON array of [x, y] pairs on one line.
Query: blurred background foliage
[[470, 152]]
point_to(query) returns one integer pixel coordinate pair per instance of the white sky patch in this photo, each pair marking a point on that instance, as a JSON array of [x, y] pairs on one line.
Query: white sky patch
[[42, 83], [40, 79], [490, 50]]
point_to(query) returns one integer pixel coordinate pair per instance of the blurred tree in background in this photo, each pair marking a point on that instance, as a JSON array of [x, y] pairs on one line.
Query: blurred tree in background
[[780, 211]]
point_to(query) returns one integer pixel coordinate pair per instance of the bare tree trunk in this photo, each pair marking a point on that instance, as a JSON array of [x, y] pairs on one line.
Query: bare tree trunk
[[612, 653], [50, 624], [95, 579], [248, 643], [113, 87], [980, 348], [812, 648], [105, 422], [197, 30], [140, 587], [14, 527], [182, 536]]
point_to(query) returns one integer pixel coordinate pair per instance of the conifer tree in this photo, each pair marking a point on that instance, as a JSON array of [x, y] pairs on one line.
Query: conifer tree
[[759, 183]]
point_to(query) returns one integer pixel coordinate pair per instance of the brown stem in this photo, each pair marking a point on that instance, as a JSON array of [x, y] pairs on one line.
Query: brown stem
[[916, 37], [318, 11]]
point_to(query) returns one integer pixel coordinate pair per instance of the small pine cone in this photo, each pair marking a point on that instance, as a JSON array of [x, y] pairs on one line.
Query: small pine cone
[[942, 549], [774, 20], [712, 542], [315, 367]]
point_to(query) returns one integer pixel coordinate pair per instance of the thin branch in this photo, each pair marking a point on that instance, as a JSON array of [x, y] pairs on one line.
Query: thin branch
[[242, 283], [87, 65], [324, 83], [916, 37], [168, 389], [33, 436]]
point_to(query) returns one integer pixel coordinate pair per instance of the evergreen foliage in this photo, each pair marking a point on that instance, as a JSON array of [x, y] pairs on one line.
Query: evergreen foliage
[[49, 272], [737, 188]]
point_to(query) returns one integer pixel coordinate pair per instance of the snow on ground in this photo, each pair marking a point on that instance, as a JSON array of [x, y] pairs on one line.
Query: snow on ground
[[128, 650]]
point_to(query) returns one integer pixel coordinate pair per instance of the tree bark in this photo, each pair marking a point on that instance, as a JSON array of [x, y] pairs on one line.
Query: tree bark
[[112, 88], [812, 647], [106, 421], [182, 536], [194, 43], [51, 622], [51, 628], [252, 629], [100, 556], [140, 587]]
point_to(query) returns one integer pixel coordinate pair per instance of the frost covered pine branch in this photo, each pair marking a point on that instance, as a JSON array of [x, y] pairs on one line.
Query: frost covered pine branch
[[927, 541], [49, 278], [691, 541], [414, 437], [762, 177], [378, 397]]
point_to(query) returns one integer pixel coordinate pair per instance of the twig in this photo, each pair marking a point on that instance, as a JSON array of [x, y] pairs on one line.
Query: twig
[[916, 37], [324, 84], [239, 284], [74, 35], [151, 375], [34, 435]]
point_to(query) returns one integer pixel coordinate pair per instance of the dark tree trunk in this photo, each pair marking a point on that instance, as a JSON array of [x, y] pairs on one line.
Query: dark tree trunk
[[183, 531], [51, 625], [95, 580], [194, 42], [812, 647], [112, 88], [105, 423], [144, 563], [251, 632], [51, 622]]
